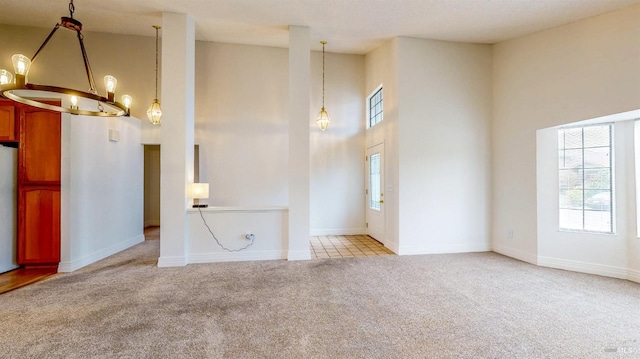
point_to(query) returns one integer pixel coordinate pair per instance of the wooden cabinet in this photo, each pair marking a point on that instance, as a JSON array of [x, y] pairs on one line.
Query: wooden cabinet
[[39, 226], [8, 128], [39, 159]]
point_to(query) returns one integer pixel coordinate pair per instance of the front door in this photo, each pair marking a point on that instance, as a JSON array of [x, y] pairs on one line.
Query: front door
[[375, 192]]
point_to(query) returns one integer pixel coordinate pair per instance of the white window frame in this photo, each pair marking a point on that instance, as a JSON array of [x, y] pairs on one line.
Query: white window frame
[[611, 184], [368, 105]]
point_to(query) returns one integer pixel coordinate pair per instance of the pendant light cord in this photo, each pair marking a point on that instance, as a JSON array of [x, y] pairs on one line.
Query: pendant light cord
[[323, 43], [157, 28]]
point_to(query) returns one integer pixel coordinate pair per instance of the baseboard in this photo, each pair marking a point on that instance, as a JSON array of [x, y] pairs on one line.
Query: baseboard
[[515, 253], [70, 266], [633, 275], [338, 231], [299, 255], [152, 223], [236, 256], [448, 248], [172, 261], [584, 267]]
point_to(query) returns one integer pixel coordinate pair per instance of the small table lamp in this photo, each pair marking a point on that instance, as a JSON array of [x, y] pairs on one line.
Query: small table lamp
[[199, 191]]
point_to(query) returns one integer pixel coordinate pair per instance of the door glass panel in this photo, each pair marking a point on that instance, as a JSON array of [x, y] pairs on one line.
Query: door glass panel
[[374, 181]]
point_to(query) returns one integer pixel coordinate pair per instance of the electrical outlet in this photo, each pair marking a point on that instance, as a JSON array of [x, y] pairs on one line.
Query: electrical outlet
[[114, 135], [510, 233]]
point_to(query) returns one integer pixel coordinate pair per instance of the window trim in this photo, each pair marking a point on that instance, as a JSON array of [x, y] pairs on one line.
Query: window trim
[[611, 167], [368, 106]]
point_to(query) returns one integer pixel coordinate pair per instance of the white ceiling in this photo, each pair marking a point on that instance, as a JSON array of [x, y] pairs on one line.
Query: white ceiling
[[349, 26]]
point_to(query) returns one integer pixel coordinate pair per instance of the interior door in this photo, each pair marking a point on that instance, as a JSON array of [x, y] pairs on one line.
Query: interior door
[[375, 192]]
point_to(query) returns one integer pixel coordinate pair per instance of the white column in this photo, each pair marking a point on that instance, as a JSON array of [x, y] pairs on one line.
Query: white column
[[299, 122], [177, 137]]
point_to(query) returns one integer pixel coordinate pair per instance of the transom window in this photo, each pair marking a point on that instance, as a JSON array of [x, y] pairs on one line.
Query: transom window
[[585, 181], [375, 108]]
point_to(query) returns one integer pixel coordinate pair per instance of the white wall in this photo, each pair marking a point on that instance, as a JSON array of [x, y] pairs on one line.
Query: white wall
[[337, 154], [243, 132], [444, 146], [102, 192], [8, 209], [604, 254], [381, 68], [582, 70]]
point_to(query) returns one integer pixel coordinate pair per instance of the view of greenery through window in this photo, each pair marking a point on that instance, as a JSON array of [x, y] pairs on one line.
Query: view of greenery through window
[[585, 166]]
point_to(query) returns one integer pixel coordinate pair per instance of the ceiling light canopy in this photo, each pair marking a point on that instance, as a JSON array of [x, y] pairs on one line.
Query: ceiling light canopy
[[19, 89]]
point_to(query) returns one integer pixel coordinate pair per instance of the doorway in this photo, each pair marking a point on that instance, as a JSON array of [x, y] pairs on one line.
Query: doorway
[[151, 186], [375, 213]]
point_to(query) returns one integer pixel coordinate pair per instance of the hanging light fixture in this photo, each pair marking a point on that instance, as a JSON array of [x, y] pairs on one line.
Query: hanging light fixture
[[323, 117], [19, 89], [155, 112]]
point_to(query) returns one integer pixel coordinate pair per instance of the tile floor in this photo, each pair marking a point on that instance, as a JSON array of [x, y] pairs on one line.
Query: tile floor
[[347, 246]]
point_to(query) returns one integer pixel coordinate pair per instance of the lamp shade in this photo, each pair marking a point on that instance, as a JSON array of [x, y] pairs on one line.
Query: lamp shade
[[21, 64], [154, 112], [199, 190]]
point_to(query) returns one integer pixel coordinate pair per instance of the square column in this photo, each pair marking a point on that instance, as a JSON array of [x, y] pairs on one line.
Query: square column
[[299, 142], [177, 136]]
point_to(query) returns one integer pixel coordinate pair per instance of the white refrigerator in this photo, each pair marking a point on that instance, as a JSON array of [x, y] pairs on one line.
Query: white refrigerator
[[8, 208]]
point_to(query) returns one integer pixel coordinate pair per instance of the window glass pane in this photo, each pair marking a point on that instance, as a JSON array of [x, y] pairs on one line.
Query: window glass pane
[[570, 158], [570, 179], [571, 219], [597, 157], [597, 200], [596, 136], [570, 138], [374, 181], [571, 199], [597, 221], [597, 178]]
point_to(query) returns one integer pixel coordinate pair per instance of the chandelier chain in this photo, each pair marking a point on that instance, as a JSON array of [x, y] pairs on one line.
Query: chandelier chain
[[72, 9]]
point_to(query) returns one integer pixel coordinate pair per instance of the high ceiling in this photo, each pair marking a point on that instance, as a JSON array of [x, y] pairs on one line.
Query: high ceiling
[[349, 26]]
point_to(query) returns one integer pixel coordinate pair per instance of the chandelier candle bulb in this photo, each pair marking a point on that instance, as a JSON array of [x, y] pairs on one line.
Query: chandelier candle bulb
[[74, 102], [5, 77], [126, 101], [21, 65], [110, 84]]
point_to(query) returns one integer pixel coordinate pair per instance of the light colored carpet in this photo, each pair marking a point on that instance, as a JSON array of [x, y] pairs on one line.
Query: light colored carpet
[[479, 305]]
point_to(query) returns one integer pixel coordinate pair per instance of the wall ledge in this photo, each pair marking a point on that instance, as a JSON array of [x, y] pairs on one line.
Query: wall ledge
[[236, 256], [447, 248], [239, 209], [70, 266]]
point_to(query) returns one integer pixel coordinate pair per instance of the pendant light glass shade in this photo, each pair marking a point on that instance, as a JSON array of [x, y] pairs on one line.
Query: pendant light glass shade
[[323, 119], [154, 112], [6, 77]]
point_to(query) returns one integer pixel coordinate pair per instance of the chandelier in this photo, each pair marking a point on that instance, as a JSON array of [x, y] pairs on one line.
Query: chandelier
[[323, 117], [18, 88]]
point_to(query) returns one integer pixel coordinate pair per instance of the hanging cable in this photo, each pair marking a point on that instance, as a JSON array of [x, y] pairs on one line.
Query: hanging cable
[[252, 237]]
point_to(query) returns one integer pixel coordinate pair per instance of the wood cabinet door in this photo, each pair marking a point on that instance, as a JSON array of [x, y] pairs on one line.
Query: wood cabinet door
[[40, 146], [7, 123], [39, 225]]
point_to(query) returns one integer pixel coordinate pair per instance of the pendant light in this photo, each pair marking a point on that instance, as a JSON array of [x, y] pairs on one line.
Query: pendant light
[[155, 112], [323, 117]]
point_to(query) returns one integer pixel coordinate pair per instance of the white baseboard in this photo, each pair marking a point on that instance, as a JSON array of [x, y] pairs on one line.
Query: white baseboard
[[236, 256], [75, 264], [299, 255], [634, 275], [338, 231], [172, 261], [584, 267], [449, 248], [152, 223], [515, 253]]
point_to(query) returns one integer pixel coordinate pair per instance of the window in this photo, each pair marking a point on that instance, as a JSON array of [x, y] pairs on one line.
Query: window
[[585, 174], [375, 108], [374, 182]]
